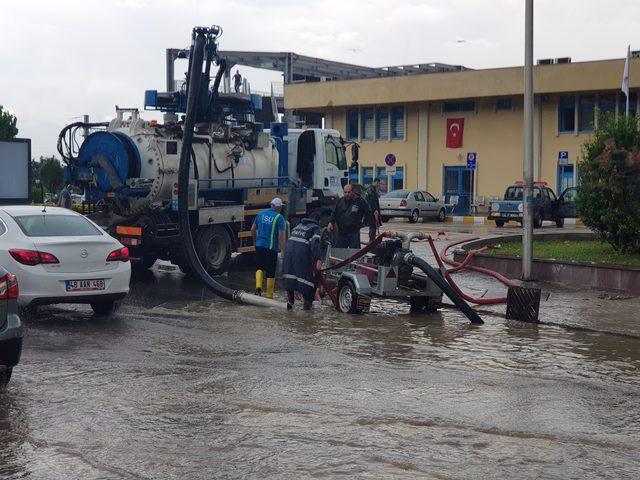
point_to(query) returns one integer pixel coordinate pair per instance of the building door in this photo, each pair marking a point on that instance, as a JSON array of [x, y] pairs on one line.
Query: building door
[[565, 178], [458, 189]]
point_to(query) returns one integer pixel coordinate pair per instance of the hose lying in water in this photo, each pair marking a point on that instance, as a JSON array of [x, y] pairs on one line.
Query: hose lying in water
[[446, 288], [195, 70]]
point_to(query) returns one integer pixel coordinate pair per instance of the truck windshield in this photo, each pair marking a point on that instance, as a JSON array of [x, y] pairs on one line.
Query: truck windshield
[[334, 153]]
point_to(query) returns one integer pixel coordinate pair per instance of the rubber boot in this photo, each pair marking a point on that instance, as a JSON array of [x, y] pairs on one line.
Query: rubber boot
[[259, 278], [271, 287], [308, 302], [291, 299]]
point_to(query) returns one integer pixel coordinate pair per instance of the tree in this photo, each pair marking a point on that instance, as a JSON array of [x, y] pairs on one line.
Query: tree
[[609, 190], [8, 123], [51, 174]]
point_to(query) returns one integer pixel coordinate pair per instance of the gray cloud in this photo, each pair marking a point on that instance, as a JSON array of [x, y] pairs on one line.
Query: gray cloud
[[61, 59]]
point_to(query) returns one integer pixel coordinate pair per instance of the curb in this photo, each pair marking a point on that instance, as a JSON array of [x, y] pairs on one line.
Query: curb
[[485, 221]]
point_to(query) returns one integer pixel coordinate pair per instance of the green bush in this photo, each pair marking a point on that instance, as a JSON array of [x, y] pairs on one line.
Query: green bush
[[608, 196]]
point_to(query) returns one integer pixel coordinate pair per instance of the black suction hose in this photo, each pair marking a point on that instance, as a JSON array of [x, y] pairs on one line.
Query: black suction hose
[[440, 281], [195, 70]]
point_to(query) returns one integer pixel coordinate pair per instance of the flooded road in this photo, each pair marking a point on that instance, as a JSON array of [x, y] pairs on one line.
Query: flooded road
[[182, 385]]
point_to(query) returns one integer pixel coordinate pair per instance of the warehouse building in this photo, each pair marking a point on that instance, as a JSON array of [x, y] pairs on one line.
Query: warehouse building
[[460, 134]]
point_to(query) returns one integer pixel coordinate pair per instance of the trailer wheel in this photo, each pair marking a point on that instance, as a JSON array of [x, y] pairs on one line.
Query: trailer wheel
[[213, 245], [348, 297]]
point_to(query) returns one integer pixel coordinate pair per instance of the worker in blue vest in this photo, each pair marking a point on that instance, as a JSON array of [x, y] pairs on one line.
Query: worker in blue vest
[[268, 232]]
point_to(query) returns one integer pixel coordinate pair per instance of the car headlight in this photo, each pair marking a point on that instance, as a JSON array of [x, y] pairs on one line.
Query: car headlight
[[495, 207], [520, 208]]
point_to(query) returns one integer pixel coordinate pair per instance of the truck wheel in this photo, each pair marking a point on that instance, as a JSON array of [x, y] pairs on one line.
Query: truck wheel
[[213, 245], [5, 377], [499, 223], [537, 221], [348, 298], [415, 216], [560, 222], [442, 215]]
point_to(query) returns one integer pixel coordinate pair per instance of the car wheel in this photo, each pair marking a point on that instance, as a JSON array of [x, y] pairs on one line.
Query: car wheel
[[348, 298], [213, 245], [442, 215], [105, 308], [499, 223], [560, 222], [537, 221], [384, 219], [5, 377], [415, 216]]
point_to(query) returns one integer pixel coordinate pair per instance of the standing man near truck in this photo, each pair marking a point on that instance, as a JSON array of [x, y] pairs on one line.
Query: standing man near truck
[[349, 215], [372, 196], [268, 232]]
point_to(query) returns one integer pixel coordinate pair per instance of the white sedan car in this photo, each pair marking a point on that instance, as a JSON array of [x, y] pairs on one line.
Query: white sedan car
[[59, 256]]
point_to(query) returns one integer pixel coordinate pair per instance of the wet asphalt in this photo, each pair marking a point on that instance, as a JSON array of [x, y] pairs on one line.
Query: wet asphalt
[[179, 384]]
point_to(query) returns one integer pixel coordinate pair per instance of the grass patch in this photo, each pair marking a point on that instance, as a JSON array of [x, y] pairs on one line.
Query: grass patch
[[582, 251]]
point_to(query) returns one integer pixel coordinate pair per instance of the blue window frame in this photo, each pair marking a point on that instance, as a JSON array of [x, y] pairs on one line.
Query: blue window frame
[[368, 127], [367, 176], [586, 113], [504, 104], [462, 106], [382, 124], [352, 124], [397, 180], [633, 104], [567, 114], [607, 105], [397, 123]]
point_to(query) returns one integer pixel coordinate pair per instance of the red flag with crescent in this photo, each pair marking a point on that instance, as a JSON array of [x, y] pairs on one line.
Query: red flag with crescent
[[455, 129]]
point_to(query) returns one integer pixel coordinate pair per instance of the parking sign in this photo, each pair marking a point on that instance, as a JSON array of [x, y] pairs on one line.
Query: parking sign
[[563, 158], [472, 160]]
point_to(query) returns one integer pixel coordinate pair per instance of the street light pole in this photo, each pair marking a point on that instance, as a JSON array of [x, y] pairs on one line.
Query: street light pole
[[527, 233]]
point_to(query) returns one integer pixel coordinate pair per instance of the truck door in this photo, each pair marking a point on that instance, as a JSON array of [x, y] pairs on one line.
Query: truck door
[[330, 171]]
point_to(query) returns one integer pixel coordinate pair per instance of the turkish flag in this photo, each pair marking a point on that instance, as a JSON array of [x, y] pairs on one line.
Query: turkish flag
[[455, 129]]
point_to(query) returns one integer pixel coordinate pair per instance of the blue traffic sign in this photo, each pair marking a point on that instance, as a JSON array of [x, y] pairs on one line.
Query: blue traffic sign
[[563, 158], [472, 160]]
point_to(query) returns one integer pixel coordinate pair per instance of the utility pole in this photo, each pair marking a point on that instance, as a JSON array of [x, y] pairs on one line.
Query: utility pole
[[527, 224]]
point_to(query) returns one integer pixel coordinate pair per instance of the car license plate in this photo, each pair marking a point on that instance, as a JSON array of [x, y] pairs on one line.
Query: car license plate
[[85, 285]]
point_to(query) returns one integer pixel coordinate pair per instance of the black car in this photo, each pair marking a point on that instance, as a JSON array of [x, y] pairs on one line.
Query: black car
[[10, 326]]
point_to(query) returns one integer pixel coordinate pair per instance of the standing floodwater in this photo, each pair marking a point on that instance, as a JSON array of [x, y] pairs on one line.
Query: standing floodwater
[[184, 386]]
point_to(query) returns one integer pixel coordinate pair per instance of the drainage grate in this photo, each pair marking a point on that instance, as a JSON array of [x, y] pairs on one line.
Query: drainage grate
[[523, 304]]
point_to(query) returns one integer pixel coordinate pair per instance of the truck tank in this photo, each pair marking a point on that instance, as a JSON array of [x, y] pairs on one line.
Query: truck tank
[[133, 164]]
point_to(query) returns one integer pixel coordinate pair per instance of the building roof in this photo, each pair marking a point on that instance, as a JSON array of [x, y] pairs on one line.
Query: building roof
[[557, 78]]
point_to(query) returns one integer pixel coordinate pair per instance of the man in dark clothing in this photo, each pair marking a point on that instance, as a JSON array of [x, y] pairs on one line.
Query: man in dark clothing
[[349, 215], [237, 81], [64, 200], [372, 197], [304, 253]]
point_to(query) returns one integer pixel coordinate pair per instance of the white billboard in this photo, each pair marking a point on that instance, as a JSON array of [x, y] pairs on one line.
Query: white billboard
[[15, 175]]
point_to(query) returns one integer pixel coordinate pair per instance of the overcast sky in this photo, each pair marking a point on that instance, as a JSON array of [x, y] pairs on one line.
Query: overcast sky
[[60, 59]]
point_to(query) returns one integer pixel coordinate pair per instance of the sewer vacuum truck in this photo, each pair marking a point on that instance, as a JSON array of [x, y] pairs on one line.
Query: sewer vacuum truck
[[128, 171]]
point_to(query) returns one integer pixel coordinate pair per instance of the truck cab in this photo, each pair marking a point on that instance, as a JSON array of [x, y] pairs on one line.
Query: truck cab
[[546, 206]]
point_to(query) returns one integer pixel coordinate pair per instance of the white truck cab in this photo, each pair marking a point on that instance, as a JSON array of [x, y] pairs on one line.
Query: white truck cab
[[317, 160]]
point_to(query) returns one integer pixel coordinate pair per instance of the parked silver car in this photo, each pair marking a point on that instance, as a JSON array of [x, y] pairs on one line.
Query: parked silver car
[[411, 204]]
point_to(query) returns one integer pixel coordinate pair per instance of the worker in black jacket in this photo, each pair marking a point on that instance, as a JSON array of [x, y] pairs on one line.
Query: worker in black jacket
[[372, 197], [349, 215]]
